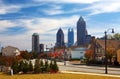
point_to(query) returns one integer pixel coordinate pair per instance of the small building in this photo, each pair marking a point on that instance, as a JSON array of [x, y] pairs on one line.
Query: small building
[[78, 53], [10, 51]]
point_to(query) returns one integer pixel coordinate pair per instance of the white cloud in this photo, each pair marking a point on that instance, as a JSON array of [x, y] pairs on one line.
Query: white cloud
[[4, 9], [68, 1], [53, 11], [6, 24], [108, 6]]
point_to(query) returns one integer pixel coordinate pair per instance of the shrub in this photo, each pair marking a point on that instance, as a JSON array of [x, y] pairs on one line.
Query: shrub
[[26, 67], [21, 66], [42, 68], [55, 66], [47, 67], [15, 67], [37, 68], [30, 66]]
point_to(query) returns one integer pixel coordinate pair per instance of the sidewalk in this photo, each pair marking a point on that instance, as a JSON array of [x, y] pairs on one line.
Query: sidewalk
[[95, 74]]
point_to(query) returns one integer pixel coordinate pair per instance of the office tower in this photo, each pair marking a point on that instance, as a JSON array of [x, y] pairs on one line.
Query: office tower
[[82, 36], [70, 37], [60, 38], [35, 43]]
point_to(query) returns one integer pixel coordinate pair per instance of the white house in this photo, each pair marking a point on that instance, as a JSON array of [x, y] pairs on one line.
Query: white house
[[10, 51], [78, 53]]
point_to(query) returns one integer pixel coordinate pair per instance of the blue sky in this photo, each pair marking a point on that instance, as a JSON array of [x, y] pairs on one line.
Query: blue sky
[[19, 19]]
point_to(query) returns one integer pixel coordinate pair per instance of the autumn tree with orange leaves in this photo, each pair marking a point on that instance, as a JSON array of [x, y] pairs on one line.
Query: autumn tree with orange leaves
[[89, 54], [110, 53]]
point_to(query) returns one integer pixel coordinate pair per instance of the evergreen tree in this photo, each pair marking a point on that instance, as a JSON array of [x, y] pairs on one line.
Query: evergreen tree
[[51, 66], [42, 66], [15, 67], [21, 65], [37, 68], [47, 67], [26, 67], [30, 66], [55, 66]]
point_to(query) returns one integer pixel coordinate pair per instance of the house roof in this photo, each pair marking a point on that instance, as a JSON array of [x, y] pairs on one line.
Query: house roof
[[11, 47], [110, 43]]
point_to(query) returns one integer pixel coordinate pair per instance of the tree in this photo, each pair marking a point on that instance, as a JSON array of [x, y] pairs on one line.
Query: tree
[[116, 36], [37, 68], [25, 55], [21, 66], [51, 66], [55, 67], [89, 54], [30, 66], [8, 60], [15, 67], [25, 67], [110, 53], [47, 67]]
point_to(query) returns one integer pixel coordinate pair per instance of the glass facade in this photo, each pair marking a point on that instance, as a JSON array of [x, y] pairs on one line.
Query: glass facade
[[60, 38], [70, 37], [82, 35]]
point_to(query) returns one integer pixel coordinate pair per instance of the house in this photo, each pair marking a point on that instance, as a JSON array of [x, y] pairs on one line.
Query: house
[[10, 51], [78, 52], [98, 45]]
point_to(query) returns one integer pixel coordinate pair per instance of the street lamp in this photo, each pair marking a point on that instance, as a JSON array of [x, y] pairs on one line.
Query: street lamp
[[106, 60]]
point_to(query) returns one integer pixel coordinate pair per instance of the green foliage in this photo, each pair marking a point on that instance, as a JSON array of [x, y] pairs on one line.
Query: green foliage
[[15, 67], [47, 67], [25, 67], [42, 66], [53, 66], [33, 55], [30, 66], [21, 66], [116, 36], [37, 68]]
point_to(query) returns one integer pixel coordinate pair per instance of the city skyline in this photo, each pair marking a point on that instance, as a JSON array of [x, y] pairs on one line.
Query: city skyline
[[20, 19]]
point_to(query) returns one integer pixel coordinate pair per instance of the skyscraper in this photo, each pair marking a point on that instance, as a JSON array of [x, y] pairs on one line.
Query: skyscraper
[[82, 35], [60, 38], [70, 37], [41, 48], [35, 43]]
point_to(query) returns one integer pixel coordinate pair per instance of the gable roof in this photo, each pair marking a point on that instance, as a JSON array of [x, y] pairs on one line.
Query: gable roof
[[110, 43]]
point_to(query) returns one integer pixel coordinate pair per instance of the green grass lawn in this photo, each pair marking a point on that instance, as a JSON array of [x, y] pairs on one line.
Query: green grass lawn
[[53, 76]]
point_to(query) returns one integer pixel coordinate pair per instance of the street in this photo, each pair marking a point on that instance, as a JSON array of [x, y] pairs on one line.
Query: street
[[88, 69]]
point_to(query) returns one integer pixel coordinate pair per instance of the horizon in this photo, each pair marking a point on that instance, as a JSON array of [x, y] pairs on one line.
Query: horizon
[[20, 19]]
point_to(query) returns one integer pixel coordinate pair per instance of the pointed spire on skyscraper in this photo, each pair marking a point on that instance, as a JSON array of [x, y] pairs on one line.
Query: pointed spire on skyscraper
[[80, 19]]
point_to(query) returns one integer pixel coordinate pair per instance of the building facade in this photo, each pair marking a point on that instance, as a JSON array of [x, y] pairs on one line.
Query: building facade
[[41, 48], [35, 43], [10, 51], [82, 35], [70, 37], [60, 38], [78, 53], [98, 46]]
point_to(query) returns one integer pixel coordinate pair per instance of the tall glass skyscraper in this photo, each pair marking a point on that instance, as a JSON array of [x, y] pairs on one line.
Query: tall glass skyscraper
[[60, 38], [82, 35], [70, 37], [35, 43]]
